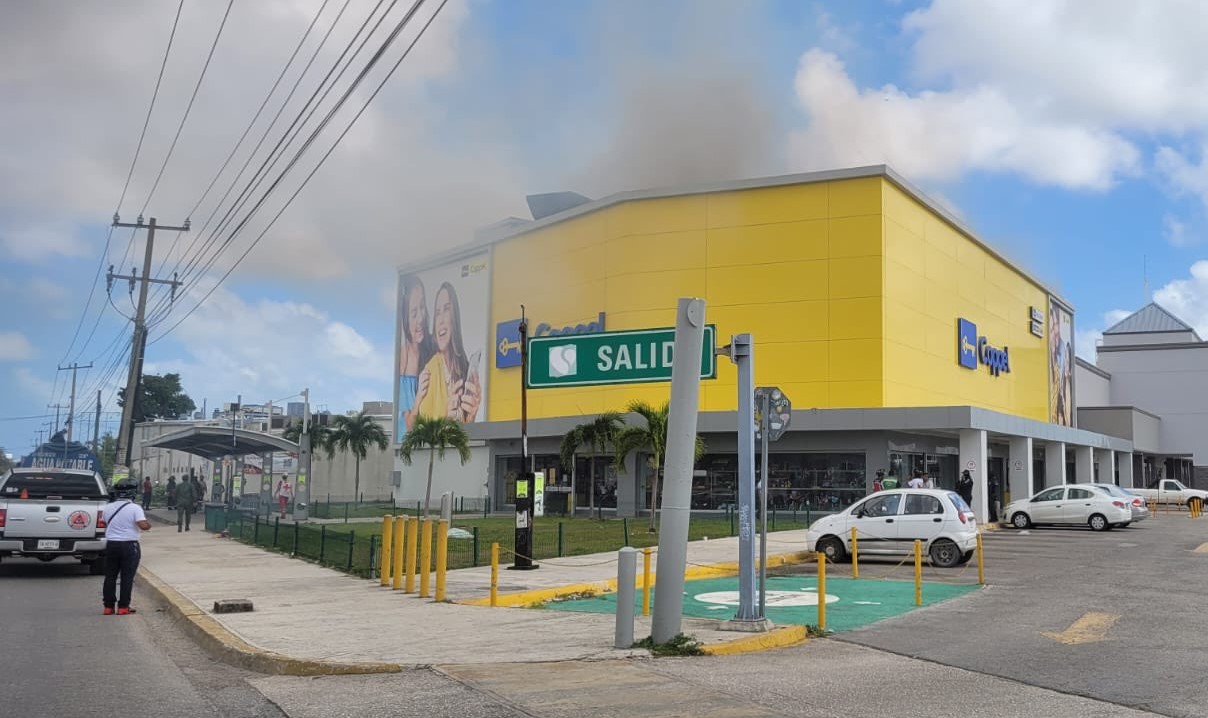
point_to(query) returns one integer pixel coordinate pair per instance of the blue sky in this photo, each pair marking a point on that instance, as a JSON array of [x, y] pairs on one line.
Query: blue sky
[[1072, 138]]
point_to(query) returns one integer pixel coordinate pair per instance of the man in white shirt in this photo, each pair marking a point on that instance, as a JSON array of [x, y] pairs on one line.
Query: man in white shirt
[[917, 482], [124, 521]]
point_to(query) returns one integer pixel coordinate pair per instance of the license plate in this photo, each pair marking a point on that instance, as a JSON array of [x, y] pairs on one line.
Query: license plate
[[48, 544]]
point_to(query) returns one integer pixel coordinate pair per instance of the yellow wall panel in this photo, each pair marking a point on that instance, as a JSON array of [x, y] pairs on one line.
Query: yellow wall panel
[[644, 252], [855, 236], [905, 248], [855, 277], [905, 325], [768, 205], [765, 283], [779, 322], [858, 318], [647, 290], [655, 216], [798, 362], [856, 394], [851, 198], [856, 360], [767, 243]]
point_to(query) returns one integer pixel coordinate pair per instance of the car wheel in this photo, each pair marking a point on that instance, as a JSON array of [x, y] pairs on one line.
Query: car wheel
[[96, 567], [1020, 520], [833, 548], [945, 554], [1098, 522]]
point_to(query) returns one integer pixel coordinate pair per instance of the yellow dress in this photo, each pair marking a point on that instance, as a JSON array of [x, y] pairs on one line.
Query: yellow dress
[[436, 402]]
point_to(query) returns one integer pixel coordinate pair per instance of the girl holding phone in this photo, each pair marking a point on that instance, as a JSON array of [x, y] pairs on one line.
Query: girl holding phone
[[417, 348], [449, 385]]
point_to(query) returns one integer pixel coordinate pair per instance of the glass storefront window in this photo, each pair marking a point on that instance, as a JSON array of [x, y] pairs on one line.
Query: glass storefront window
[[820, 481], [941, 467], [510, 467]]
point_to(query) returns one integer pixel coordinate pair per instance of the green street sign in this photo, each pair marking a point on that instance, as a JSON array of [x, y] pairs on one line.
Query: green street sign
[[636, 356]]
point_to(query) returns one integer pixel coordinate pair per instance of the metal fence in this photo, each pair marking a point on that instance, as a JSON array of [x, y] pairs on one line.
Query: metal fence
[[356, 549]]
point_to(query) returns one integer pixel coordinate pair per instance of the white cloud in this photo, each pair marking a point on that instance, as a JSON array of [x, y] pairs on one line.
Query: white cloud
[[942, 135], [1187, 298], [1184, 176], [268, 349], [1175, 232], [15, 347], [33, 385], [1086, 340]]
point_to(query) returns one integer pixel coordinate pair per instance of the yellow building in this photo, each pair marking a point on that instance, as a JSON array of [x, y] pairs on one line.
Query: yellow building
[[905, 342]]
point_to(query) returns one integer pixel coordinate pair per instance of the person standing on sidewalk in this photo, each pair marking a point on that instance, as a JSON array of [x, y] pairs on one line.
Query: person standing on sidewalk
[[170, 492], [185, 498], [124, 521], [285, 493], [146, 493]]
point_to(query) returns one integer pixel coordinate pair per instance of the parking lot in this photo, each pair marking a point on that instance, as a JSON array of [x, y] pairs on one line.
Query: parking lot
[[1118, 615]]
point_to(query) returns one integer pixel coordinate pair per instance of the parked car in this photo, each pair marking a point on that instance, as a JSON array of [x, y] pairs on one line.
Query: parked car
[[1170, 491], [889, 522], [53, 513], [1140, 511], [1072, 504]]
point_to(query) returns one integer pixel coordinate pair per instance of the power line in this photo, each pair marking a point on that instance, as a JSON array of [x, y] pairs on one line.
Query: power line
[[323, 159], [196, 88], [161, 301]]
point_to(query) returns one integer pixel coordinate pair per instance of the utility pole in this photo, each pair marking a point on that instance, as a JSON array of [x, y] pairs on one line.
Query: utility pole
[[96, 426], [71, 412], [56, 407], [138, 344]]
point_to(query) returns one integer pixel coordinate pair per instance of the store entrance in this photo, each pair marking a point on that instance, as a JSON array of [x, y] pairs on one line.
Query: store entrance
[[996, 481], [940, 467]]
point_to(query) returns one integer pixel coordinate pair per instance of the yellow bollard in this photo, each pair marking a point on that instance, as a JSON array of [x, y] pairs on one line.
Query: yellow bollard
[[396, 553], [494, 575], [442, 557], [981, 566], [412, 546], [645, 582], [918, 572], [387, 524], [855, 554], [821, 591], [425, 558]]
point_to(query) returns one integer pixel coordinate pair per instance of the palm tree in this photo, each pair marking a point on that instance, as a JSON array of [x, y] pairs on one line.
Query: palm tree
[[320, 436], [598, 434], [356, 433], [652, 436], [438, 435]]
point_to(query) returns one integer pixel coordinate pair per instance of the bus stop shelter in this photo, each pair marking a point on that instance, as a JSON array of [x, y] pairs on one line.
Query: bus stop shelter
[[217, 443]]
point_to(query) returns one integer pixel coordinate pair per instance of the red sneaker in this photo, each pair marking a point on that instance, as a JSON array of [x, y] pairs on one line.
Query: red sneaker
[[108, 611], [125, 611]]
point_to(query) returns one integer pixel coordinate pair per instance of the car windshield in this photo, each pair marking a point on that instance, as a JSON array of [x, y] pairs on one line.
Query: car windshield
[[51, 485], [1114, 490], [959, 503]]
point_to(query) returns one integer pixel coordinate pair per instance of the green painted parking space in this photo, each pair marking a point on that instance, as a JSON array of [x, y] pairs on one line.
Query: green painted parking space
[[850, 603]]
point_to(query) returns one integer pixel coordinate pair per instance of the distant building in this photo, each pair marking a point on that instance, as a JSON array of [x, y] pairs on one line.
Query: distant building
[[378, 408], [295, 409]]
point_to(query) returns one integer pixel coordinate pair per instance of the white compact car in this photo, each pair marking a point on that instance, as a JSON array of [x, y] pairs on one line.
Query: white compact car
[[1073, 504], [889, 522]]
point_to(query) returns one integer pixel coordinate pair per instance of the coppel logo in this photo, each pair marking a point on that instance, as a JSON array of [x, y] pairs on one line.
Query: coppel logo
[[972, 349]]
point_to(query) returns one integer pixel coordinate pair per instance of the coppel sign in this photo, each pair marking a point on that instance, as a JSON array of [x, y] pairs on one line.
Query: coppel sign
[[507, 337], [972, 350]]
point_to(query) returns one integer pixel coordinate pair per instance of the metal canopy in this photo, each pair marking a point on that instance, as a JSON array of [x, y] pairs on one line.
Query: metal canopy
[[215, 442]]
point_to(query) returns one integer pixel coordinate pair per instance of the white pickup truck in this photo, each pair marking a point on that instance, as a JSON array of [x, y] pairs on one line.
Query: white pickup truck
[[1170, 491], [53, 513]]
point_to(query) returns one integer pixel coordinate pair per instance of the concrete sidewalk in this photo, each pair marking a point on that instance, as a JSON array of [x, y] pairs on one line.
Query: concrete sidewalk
[[306, 613]]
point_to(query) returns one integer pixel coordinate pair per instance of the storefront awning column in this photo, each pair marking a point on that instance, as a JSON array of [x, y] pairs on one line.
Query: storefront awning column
[[1084, 465], [1105, 459], [1126, 471], [1054, 463], [974, 454], [1019, 469]]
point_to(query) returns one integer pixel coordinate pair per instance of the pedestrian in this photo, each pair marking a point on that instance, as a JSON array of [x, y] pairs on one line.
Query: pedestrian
[[218, 491], [890, 482], [146, 493], [170, 492], [285, 493], [185, 498], [878, 483], [964, 487], [199, 490], [916, 481], [124, 520], [928, 480]]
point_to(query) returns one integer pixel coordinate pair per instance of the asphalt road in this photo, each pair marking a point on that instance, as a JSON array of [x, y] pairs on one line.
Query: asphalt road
[[60, 657], [1147, 580]]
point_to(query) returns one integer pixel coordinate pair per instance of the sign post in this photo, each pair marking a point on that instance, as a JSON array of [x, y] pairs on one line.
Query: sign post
[[526, 488], [773, 412]]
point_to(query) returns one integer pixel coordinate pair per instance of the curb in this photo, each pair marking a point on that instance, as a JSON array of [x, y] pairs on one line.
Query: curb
[[224, 645], [541, 595], [782, 637]]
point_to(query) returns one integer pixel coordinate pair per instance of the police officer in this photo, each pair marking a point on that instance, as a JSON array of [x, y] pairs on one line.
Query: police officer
[[124, 520], [186, 497]]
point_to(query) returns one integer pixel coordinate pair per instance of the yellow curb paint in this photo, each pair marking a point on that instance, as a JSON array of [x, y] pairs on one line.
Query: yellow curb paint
[[1090, 628], [776, 638], [541, 595], [225, 645]]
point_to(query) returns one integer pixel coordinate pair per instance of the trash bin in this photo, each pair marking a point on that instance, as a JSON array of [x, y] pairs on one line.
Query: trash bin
[[215, 517]]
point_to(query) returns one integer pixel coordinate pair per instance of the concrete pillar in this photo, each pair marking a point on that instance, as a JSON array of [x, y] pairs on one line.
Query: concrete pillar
[[1019, 469], [627, 487], [1105, 460], [1084, 464], [1126, 470], [1054, 463], [973, 458]]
